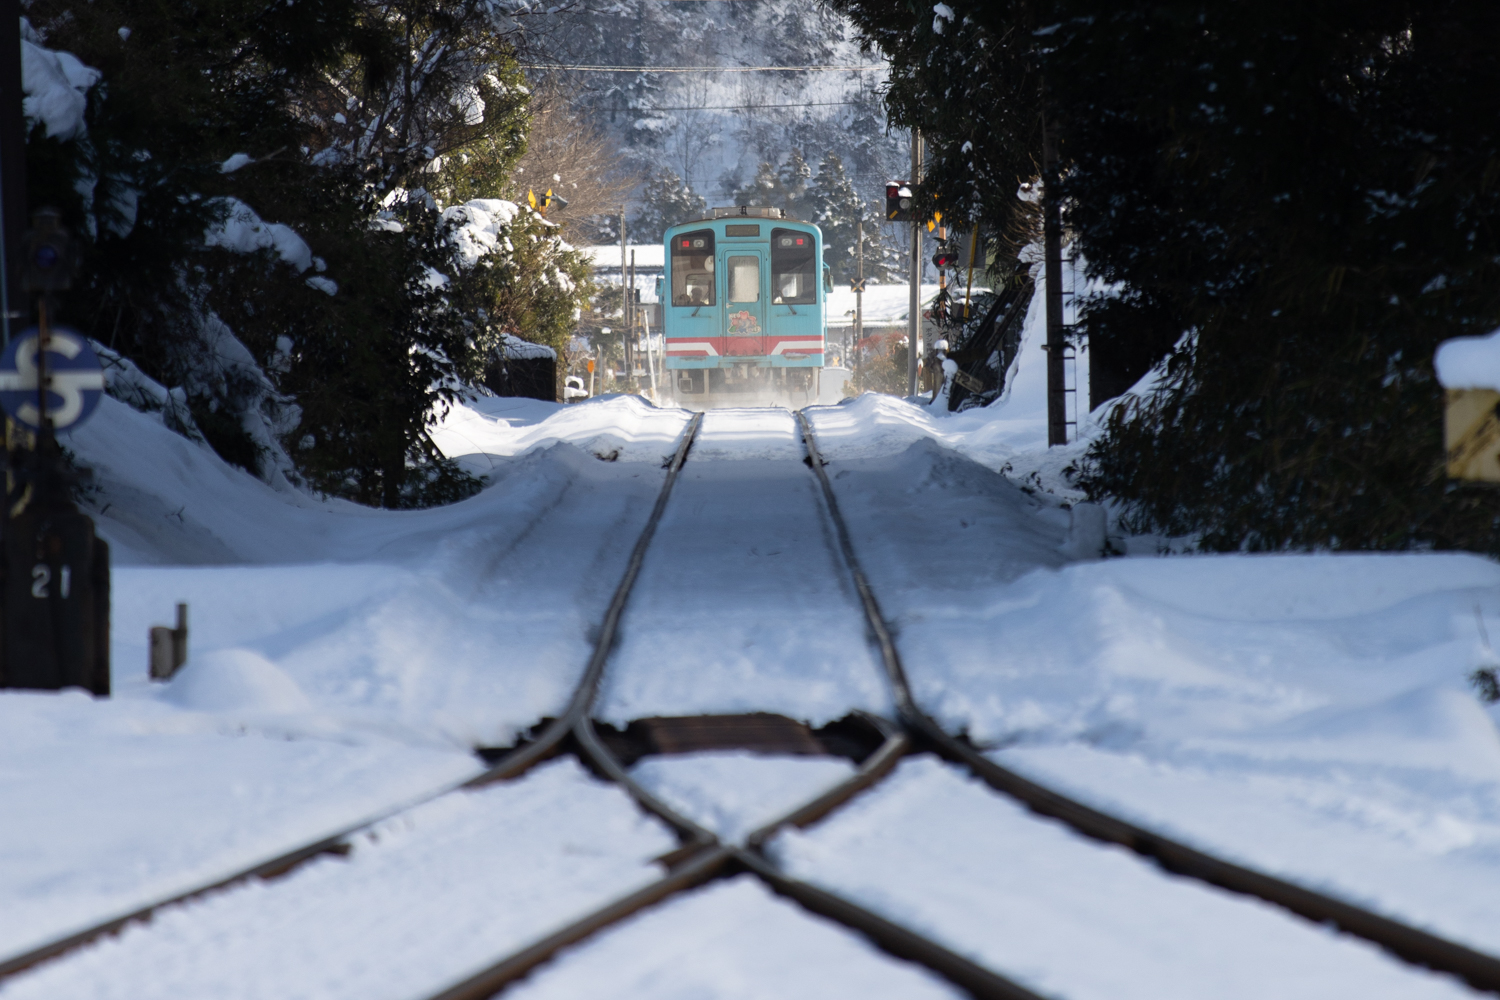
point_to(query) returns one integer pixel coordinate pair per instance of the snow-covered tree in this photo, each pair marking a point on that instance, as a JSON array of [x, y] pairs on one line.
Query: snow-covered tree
[[838, 211], [780, 186], [666, 201], [249, 186]]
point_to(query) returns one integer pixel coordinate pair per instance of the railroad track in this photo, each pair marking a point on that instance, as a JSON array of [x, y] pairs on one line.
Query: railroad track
[[875, 744]]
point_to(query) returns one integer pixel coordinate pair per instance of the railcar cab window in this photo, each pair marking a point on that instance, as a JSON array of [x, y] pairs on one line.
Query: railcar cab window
[[793, 270], [744, 279], [693, 268]]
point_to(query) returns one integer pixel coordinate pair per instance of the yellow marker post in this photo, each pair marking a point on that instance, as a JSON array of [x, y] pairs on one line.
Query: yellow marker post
[[1471, 433]]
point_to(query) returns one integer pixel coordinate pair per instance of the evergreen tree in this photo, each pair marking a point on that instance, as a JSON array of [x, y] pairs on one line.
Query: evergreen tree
[[665, 202], [1295, 203], [972, 83], [838, 210], [764, 188], [334, 342], [1306, 192], [792, 182], [786, 186]]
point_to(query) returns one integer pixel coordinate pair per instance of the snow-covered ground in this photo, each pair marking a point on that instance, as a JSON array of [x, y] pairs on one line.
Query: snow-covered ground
[[422, 900], [342, 661], [742, 604], [1308, 715], [734, 792], [731, 940], [941, 853]]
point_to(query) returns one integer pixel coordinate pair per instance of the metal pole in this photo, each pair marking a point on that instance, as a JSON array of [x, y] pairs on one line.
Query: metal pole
[[859, 290], [634, 321], [914, 312], [625, 307], [12, 163], [1057, 385], [969, 289]]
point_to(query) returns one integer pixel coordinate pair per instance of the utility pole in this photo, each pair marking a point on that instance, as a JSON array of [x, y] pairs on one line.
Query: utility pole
[[1057, 383], [625, 308], [914, 314], [859, 290]]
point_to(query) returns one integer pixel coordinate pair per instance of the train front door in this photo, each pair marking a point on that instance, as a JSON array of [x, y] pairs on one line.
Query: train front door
[[745, 302]]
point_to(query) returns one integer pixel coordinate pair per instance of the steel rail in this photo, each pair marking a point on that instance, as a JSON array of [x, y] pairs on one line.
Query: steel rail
[[1409, 943], [588, 686], [512, 765], [703, 857]]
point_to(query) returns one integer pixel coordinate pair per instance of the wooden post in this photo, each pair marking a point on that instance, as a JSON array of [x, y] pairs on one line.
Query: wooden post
[[169, 647]]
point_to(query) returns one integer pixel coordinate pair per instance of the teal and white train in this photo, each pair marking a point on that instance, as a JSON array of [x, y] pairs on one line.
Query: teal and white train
[[744, 308]]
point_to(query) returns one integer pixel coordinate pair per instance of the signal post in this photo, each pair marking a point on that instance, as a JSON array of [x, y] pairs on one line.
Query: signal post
[[54, 629]]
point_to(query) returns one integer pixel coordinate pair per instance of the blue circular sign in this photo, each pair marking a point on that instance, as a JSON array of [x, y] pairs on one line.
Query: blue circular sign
[[75, 379]]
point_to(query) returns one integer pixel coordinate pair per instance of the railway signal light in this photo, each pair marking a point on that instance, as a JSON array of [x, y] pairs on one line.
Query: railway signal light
[[48, 256], [898, 201], [946, 256]]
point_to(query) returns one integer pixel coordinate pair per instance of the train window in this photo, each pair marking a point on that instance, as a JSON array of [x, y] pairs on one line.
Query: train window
[[793, 269], [693, 268], [744, 279]]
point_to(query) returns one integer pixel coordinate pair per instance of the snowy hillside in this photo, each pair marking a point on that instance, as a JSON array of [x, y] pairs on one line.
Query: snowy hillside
[[714, 128]]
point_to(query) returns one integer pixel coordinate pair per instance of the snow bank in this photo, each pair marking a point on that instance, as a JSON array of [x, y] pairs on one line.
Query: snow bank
[[1469, 362], [239, 680], [1008, 435], [342, 660], [488, 429]]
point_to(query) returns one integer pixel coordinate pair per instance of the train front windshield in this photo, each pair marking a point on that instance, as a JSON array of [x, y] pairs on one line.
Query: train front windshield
[[793, 269], [693, 268]]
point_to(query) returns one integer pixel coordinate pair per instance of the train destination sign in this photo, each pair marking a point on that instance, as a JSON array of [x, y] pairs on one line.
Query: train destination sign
[[77, 380]]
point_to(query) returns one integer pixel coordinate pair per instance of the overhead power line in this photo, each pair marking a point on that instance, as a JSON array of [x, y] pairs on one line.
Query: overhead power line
[[754, 107], [706, 69]]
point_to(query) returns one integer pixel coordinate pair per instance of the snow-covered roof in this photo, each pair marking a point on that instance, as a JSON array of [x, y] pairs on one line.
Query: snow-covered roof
[[518, 349], [606, 257], [1469, 362], [884, 305]]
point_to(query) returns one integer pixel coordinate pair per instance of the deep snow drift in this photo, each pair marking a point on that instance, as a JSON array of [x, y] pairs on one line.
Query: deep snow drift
[[342, 661]]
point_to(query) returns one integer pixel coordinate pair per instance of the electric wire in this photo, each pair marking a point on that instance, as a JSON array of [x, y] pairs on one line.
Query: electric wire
[[704, 69], [755, 107]]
